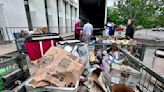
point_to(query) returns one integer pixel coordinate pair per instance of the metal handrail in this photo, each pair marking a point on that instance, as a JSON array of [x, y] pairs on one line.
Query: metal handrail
[[149, 73], [148, 69]]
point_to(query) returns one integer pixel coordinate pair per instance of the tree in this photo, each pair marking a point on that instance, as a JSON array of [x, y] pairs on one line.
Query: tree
[[160, 20], [113, 16], [143, 11]]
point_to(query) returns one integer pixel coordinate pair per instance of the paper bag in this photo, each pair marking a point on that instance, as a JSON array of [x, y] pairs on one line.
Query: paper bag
[[59, 67]]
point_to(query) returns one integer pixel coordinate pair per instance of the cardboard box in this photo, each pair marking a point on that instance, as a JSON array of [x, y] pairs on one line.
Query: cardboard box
[[29, 88], [59, 68], [124, 75], [121, 88]]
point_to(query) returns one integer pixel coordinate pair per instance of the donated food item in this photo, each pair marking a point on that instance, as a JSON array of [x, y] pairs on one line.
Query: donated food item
[[82, 50], [94, 67], [97, 39], [92, 42], [116, 55], [68, 48], [106, 41], [105, 53], [99, 55], [119, 61], [41, 30], [74, 51], [125, 42], [92, 57], [109, 59], [75, 48], [113, 41]]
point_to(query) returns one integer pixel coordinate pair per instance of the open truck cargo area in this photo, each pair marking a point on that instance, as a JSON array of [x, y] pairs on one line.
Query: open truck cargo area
[[94, 11]]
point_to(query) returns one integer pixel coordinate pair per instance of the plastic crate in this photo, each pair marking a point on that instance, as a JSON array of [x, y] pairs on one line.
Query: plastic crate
[[150, 80], [12, 69], [20, 42], [7, 65], [50, 88], [136, 50]]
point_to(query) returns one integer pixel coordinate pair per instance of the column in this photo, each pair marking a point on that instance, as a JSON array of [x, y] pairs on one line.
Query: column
[[77, 9], [61, 7], [37, 12], [53, 16], [68, 17], [73, 18], [76, 16]]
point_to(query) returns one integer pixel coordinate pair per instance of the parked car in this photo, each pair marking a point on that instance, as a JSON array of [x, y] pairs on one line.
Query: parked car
[[119, 28], [161, 29], [139, 27], [158, 29], [155, 29]]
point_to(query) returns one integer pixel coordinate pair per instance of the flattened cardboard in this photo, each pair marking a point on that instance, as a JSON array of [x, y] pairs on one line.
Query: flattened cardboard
[[61, 69]]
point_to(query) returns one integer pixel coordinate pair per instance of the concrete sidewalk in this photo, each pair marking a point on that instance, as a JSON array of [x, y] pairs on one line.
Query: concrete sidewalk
[[7, 48], [149, 34], [11, 47]]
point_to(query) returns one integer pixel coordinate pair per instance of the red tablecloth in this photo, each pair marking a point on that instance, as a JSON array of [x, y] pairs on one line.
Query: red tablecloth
[[36, 49]]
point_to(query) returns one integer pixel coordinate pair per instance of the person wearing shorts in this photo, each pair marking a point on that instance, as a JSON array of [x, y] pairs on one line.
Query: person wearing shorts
[[87, 31]]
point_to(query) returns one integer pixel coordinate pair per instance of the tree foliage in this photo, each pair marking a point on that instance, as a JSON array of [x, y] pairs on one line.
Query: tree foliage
[[146, 12], [114, 16]]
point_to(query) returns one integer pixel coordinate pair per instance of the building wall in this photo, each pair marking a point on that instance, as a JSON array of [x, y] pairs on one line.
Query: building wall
[[14, 15], [53, 16], [68, 17], [73, 18], [14, 10], [37, 11], [62, 15], [61, 7]]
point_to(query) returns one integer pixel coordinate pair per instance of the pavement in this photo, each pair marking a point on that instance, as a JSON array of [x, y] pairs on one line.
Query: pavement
[[149, 55], [149, 34], [10, 48], [7, 48]]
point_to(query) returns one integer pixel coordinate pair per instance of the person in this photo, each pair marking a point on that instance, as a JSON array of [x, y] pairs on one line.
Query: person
[[111, 31], [77, 30], [130, 29], [24, 34], [87, 31]]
